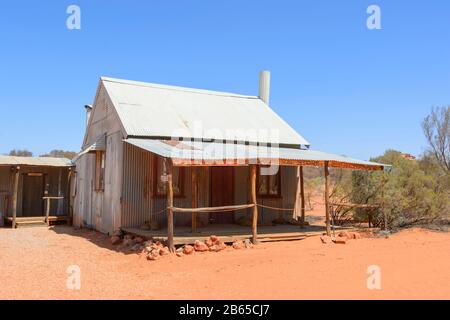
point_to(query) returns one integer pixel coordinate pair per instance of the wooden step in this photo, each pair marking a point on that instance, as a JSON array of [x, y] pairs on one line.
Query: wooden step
[[29, 224]]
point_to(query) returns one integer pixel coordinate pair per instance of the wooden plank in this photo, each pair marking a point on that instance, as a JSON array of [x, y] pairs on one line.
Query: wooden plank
[[255, 207], [213, 209], [327, 199], [194, 199], [15, 192], [169, 167]]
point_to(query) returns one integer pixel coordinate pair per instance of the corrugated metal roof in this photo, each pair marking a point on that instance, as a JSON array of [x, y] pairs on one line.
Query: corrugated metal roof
[[98, 145], [214, 151], [35, 161], [151, 110]]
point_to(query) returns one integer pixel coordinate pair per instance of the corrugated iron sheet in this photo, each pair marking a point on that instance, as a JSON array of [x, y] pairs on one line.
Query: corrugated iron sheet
[[214, 151], [151, 110], [35, 161]]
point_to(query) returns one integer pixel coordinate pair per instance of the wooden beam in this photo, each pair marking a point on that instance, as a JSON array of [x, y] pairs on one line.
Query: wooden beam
[[327, 199], [15, 192], [169, 168], [302, 195], [194, 199], [253, 173]]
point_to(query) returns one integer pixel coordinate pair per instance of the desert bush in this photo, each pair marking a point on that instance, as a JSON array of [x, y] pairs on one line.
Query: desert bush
[[414, 192]]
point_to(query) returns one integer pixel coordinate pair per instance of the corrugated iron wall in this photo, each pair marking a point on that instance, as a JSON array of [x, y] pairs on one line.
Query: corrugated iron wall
[[138, 201]]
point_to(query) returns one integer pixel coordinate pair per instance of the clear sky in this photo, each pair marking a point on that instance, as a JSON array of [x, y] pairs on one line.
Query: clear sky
[[345, 88]]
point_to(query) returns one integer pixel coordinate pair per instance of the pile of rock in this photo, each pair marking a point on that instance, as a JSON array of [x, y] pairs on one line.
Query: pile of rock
[[341, 238], [213, 243], [154, 250], [239, 244]]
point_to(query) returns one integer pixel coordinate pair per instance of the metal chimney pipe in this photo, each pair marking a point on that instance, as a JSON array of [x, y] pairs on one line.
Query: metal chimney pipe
[[264, 86], [88, 113]]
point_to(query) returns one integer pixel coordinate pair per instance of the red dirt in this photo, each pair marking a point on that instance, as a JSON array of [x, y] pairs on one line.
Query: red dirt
[[415, 264]]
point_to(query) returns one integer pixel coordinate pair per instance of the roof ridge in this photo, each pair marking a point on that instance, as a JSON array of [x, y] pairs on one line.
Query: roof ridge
[[177, 88]]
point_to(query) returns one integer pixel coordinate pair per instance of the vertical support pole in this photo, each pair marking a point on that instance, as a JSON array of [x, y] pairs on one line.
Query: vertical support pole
[[327, 199], [47, 210], [69, 198], [302, 195], [194, 196], [169, 167], [385, 225], [253, 172], [15, 192]]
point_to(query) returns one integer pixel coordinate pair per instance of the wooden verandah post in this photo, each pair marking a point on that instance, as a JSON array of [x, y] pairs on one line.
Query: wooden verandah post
[[327, 198], [302, 197], [194, 198], [253, 172], [15, 192], [385, 224], [169, 176]]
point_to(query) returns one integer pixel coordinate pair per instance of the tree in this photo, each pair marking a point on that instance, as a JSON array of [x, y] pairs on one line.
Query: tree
[[436, 127], [60, 154], [21, 153]]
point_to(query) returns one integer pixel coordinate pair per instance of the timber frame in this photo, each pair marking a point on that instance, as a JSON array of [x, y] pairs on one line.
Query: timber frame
[[253, 204]]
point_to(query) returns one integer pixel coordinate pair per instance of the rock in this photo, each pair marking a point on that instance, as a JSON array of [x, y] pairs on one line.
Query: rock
[[214, 239], [340, 240], [164, 251], [238, 244], [345, 234], [214, 248], [209, 242], [180, 254], [222, 245], [152, 255], [115, 240], [147, 243], [325, 239], [248, 244], [200, 246], [187, 249]]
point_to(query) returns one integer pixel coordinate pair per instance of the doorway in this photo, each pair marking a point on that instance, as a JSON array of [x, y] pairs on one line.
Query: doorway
[[32, 193], [222, 194]]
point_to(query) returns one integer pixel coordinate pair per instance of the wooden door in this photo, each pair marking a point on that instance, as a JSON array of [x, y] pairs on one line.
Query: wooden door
[[32, 193], [222, 194]]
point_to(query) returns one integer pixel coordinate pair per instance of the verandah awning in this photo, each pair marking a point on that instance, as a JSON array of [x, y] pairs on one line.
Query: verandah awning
[[196, 153]]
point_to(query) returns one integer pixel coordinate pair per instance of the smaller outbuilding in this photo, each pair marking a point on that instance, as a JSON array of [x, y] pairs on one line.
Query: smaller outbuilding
[[34, 190]]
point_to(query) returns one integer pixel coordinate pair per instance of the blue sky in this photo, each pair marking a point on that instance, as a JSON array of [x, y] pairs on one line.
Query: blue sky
[[346, 89]]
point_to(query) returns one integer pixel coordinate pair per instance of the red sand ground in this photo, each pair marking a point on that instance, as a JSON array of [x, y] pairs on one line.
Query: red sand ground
[[414, 264]]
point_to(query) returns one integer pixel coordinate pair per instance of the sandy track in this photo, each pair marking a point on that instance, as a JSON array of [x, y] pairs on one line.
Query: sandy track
[[414, 264]]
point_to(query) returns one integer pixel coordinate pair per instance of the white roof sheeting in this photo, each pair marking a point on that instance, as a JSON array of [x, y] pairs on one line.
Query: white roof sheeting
[[217, 153], [158, 111], [35, 161]]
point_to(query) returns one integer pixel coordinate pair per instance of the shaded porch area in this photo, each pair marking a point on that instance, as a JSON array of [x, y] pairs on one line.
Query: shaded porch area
[[229, 233]]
